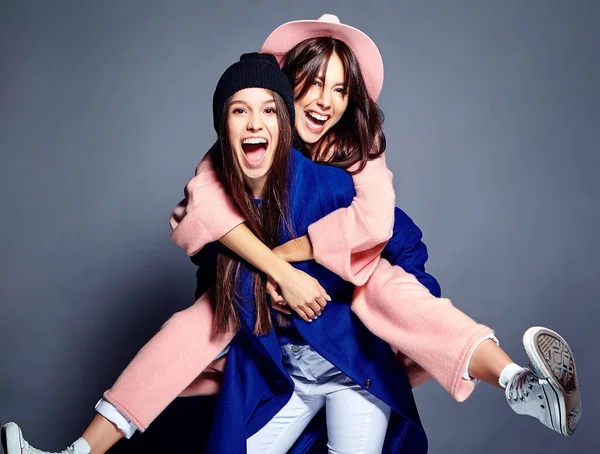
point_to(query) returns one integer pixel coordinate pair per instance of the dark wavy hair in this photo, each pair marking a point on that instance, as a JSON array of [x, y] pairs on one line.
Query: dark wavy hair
[[264, 221], [358, 136]]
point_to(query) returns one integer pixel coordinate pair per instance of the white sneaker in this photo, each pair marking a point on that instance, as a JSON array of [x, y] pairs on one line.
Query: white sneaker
[[549, 391], [14, 443]]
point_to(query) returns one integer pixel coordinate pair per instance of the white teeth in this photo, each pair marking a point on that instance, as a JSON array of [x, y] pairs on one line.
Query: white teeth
[[318, 117], [254, 140]]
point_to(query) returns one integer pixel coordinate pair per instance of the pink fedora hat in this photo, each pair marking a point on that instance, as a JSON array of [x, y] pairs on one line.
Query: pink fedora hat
[[286, 36]]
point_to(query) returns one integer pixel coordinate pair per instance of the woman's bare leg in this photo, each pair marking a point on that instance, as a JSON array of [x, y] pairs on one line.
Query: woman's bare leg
[[488, 362], [101, 435]]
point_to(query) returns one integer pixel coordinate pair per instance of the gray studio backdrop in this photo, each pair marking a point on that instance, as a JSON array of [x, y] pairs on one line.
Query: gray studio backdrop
[[492, 120]]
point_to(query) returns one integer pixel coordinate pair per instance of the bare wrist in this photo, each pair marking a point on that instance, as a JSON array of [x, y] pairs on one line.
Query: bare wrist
[[280, 252], [279, 270]]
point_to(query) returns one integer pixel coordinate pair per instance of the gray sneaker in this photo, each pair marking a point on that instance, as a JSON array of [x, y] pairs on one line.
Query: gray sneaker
[[549, 390], [14, 443]]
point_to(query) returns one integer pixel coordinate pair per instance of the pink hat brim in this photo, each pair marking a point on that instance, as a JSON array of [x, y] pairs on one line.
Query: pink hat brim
[[288, 35]]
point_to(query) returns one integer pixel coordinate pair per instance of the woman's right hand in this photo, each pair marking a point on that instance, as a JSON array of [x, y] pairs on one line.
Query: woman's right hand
[[301, 292]]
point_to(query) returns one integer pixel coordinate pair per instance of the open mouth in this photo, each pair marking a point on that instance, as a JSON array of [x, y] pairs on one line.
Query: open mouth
[[255, 150], [316, 122]]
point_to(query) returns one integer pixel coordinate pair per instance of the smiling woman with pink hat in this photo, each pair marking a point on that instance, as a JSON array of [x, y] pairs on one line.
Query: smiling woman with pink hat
[[287, 36], [337, 73], [400, 304]]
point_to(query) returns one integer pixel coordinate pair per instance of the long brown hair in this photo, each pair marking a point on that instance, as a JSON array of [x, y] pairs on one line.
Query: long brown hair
[[264, 221], [358, 136]]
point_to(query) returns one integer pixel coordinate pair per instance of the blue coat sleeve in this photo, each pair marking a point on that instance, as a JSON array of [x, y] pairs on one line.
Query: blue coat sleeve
[[407, 250]]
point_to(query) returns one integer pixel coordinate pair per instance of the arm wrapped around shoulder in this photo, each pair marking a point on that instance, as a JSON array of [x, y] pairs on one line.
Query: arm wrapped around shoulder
[[206, 214], [348, 241]]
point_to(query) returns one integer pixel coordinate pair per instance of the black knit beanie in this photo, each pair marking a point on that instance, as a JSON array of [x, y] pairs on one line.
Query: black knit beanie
[[254, 70]]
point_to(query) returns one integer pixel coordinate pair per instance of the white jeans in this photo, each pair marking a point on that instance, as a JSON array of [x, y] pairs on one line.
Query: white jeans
[[356, 420]]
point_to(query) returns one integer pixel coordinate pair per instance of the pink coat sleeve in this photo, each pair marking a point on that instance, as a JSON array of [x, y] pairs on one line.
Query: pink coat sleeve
[[206, 214], [349, 240]]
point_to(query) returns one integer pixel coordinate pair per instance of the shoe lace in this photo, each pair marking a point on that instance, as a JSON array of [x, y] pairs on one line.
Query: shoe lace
[[521, 385]]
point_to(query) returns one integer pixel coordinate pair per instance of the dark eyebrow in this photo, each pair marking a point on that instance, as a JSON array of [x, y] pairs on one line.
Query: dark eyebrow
[[320, 78], [240, 101]]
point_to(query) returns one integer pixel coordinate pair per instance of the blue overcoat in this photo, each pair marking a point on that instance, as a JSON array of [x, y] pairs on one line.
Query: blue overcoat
[[256, 385]]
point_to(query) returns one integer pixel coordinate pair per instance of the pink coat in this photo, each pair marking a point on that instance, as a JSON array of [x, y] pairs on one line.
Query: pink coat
[[348, 242], [433, 338]]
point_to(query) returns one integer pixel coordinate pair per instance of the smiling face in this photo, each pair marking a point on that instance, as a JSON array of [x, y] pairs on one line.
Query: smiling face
[[324, 103], [253, 129]]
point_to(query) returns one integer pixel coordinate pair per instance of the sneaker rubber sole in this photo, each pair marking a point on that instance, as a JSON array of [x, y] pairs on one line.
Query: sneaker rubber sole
[[552, 359], [11, 439]]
